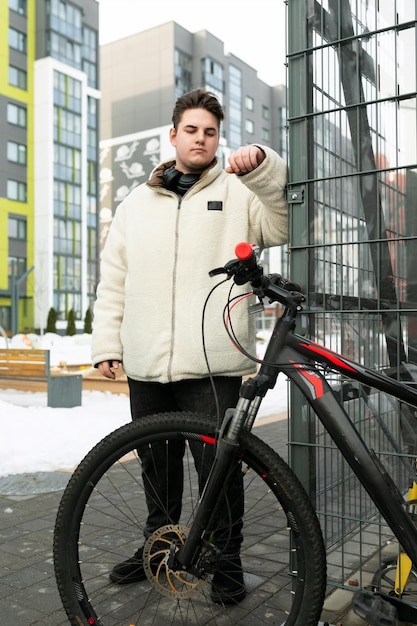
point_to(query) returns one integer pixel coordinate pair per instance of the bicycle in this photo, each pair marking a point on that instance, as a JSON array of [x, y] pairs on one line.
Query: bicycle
[[103, 509]]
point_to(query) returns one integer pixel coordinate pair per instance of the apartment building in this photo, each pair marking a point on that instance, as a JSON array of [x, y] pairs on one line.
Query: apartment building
[[48, 159]]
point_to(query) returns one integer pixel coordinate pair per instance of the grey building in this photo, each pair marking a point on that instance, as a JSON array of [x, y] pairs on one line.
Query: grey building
[[143, 74]]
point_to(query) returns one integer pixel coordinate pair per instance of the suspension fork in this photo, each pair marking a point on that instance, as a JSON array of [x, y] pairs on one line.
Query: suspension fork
[[226, 452]]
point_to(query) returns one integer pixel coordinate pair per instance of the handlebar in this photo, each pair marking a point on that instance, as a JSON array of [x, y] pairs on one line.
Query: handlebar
[[246, 268]]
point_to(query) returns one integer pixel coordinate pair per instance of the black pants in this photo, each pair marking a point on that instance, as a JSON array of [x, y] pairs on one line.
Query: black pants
[[162, 467]]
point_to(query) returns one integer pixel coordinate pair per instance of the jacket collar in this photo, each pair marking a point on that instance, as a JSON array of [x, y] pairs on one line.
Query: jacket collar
[[155, 179]]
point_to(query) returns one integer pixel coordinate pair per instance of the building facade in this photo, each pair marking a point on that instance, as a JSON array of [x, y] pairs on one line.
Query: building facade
[[48, 189], [143, 74]]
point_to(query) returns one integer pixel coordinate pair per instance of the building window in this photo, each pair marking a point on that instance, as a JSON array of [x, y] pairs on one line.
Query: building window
[[91, 144], [16, 190], [235, 107], [16, 228], [67, 164], [250, 103], [283, 116], [64, 302], [66, 19], [91, 112], [16, 152], [67, 237], [91, 70], [19, 6], [17, 77], [17, 40], [67, 92], [213, 77], [66, 50], [265, 135], [16, 115], [265, 112], [67, 274], [249, 127], [183, 72], [89, 44], [67, 200], [5, 317], [16, 266], [91, 280], [67, 127]]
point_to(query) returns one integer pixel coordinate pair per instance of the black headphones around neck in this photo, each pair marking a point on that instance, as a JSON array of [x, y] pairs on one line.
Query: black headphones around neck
[[176, 181]]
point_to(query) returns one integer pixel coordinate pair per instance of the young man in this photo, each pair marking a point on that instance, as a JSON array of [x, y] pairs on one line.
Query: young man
[[165, 238]]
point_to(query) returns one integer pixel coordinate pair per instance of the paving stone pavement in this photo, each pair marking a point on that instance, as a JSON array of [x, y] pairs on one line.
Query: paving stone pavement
[[28, 594]]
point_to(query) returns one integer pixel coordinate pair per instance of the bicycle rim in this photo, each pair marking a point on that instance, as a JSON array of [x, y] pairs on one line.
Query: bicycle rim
[[384, 582], [102, 515]]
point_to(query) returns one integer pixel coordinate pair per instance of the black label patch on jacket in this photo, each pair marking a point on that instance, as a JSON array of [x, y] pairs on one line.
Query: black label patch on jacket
[[215, 205]]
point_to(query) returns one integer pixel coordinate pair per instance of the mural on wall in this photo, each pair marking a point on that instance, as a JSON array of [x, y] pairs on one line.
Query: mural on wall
[[123, 166]]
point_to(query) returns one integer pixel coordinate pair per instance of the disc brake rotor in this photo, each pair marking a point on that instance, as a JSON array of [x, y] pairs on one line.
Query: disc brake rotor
[[157, 554]]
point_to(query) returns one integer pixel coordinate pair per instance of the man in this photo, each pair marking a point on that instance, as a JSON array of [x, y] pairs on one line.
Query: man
[[165, 238]]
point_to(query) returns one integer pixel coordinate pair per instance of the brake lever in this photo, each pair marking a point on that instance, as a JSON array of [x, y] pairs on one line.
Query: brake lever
[[217, 271], [228, 269]]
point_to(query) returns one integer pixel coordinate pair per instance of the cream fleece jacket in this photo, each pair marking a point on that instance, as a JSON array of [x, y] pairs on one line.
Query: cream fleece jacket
[[154, 272]]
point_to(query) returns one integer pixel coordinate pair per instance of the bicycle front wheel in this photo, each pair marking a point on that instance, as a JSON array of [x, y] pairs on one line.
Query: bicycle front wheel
[[102, 517]]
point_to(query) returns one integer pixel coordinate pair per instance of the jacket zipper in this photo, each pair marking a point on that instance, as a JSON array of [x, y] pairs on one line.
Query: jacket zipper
[[174, 283]]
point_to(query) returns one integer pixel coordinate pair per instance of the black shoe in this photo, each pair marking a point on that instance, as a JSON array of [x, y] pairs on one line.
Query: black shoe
[[130, 571], [227, 586]]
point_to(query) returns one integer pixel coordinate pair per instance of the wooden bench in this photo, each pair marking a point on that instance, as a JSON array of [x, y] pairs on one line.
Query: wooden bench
[[64, 389]]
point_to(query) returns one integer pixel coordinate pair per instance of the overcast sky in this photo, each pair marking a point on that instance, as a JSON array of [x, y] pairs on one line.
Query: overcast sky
[[253, 30]]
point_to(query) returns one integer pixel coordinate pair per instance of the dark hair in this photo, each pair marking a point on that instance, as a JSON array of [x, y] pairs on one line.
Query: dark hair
[[197, 99]]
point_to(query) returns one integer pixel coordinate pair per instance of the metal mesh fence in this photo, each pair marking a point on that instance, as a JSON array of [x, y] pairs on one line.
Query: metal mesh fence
[[352, 131]]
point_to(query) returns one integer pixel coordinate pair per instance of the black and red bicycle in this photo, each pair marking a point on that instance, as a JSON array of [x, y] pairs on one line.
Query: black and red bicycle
[[103, 509]]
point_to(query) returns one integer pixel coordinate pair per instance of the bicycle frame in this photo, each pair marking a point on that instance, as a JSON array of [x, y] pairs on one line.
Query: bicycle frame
[[301, 360]]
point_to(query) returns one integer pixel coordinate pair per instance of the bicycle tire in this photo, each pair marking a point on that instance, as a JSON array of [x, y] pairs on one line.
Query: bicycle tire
[[99, 523]]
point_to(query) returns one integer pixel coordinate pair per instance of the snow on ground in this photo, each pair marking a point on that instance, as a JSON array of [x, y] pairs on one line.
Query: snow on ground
[[74, 350], [35, 437]]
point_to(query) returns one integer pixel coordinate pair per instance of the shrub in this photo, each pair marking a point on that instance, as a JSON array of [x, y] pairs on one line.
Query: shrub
[[88, 322], [51, 321], [71, 328]]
